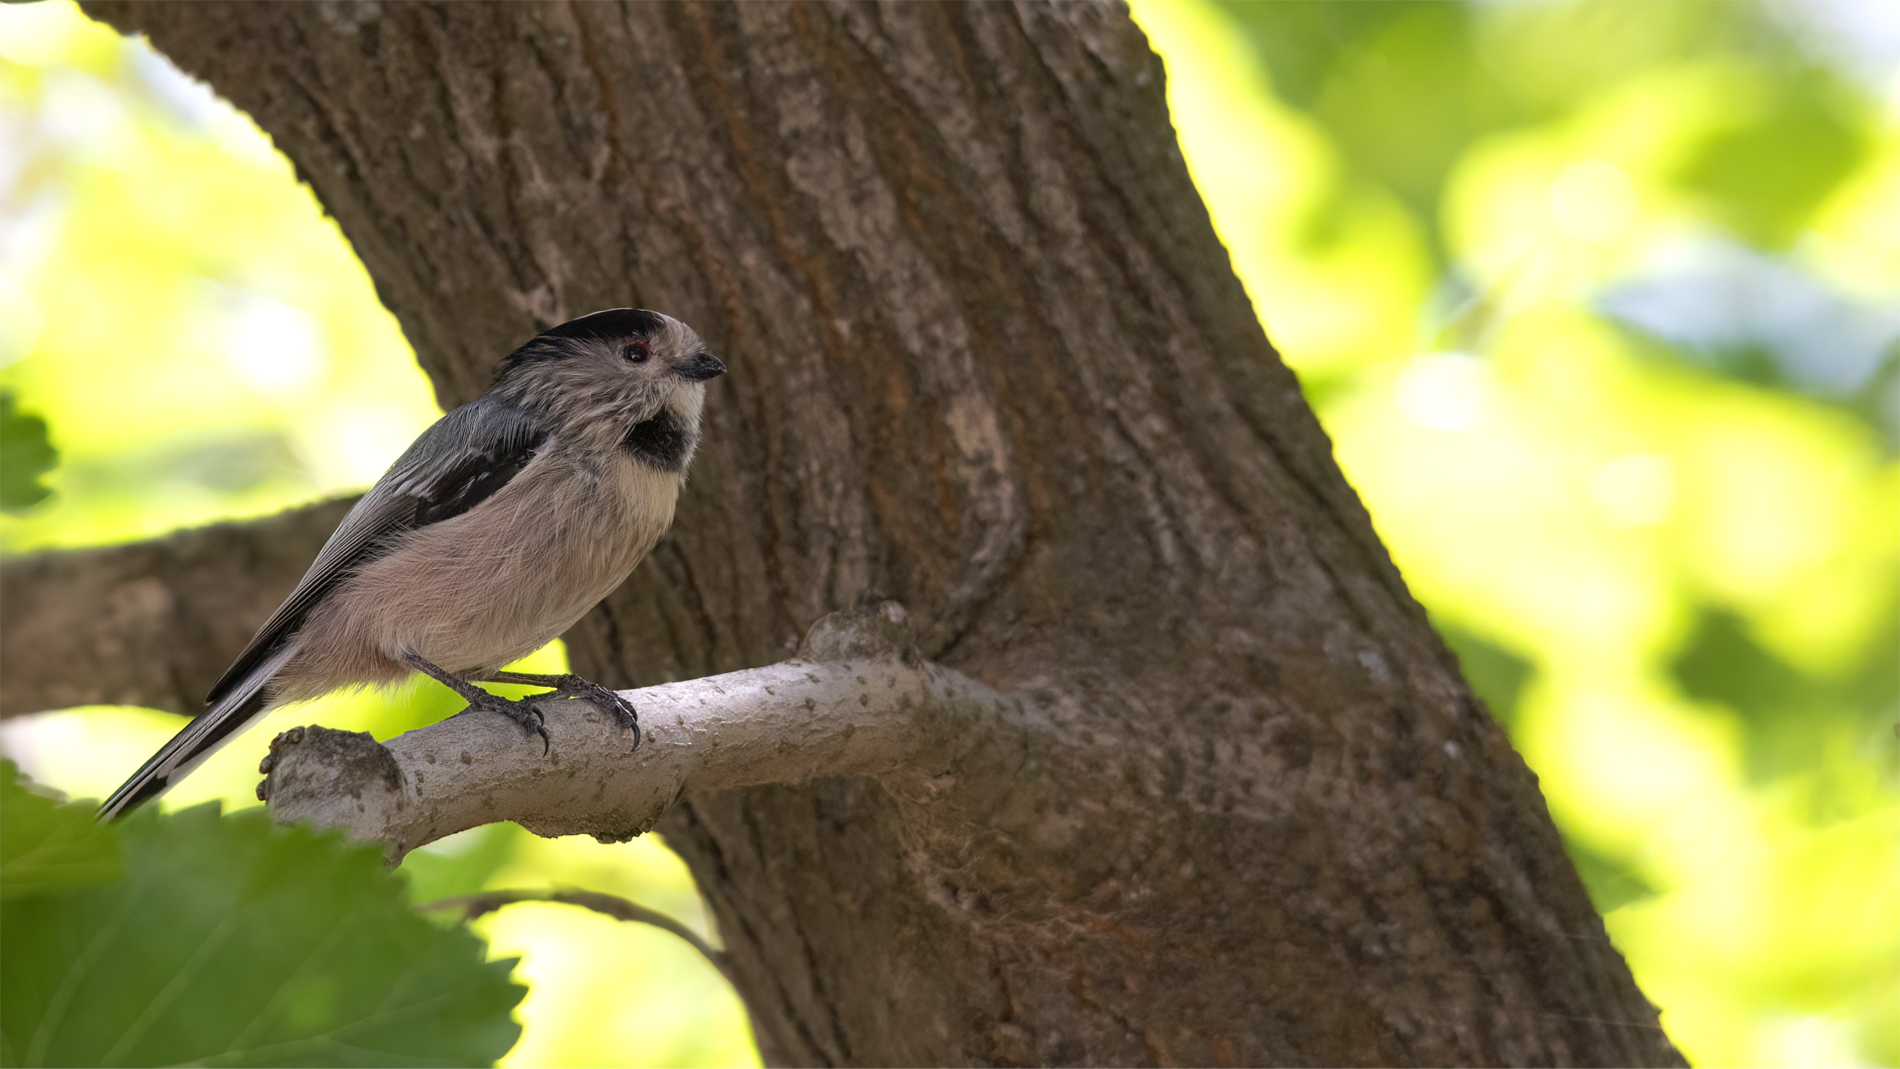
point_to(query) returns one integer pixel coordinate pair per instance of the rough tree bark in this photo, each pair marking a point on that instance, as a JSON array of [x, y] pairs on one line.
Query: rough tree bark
[[989, 360]]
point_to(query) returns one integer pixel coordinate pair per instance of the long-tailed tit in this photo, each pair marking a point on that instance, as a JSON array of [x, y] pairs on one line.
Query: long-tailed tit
[[495, 532]]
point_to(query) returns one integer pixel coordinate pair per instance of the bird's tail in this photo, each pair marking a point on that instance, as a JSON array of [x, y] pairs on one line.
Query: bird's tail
[[207, 732]]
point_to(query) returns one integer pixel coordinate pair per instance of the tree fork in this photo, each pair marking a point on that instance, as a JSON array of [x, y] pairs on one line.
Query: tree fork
[[990, 361]]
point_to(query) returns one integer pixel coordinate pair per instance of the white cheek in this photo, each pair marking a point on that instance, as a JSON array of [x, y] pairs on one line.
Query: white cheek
[[688, 400]]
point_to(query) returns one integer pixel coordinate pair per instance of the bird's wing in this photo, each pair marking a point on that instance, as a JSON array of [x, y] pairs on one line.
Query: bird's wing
[[456, 464]]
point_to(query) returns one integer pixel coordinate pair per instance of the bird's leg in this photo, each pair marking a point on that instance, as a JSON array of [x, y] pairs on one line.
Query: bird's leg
[[521, 712], [573, 686]]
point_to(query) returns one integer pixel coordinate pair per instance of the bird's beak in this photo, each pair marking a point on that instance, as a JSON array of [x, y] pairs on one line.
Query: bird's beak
[[701, 367]]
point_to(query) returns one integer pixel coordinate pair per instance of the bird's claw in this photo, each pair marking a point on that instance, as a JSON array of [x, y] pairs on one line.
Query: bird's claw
[[573, 686], [612, 702], [522, 712]]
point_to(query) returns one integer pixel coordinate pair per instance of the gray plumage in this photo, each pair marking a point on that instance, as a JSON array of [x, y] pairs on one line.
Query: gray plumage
[[496, 531]]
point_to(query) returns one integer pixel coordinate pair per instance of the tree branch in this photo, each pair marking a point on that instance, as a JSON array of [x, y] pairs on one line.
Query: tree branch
[[620, 909], [151, 623], [857, 702]]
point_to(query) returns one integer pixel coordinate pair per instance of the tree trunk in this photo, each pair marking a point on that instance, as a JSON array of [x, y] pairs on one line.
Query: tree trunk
[[988, 360]]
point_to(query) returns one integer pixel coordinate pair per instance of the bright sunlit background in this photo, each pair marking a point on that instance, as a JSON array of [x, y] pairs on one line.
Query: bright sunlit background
[[1600, 303]]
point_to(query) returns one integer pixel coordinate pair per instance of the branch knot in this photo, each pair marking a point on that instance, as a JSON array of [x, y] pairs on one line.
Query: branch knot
[[879, 632]]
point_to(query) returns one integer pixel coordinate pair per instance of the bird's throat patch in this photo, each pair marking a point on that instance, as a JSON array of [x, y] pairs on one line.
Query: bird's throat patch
[[663, 442]]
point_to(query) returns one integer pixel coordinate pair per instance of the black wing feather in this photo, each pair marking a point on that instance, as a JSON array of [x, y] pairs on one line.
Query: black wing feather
[[459, 462], [473, 479]]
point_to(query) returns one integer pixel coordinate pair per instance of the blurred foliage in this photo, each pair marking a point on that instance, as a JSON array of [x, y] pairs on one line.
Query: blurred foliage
[[227, 941], [25, 455], [1599, 301], [196, 335]]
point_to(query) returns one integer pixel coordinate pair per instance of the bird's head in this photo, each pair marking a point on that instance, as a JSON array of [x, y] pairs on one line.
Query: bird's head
[[605, 373]]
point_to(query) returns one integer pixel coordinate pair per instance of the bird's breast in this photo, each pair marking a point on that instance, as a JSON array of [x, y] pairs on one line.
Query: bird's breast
[[496, 583]]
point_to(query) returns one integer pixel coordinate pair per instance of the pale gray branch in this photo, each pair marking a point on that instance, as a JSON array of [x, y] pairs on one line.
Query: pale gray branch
[[880, 713]]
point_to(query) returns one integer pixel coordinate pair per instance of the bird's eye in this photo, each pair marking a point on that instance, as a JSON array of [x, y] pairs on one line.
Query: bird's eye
[[636, 352]]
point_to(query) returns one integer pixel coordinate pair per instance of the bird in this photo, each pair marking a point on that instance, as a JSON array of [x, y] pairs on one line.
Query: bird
[[494, 532]]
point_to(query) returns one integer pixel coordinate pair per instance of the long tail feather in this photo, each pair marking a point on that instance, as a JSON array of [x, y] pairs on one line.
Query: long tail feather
[[204, 736]]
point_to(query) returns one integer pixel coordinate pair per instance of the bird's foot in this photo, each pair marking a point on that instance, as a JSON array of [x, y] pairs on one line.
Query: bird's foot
[[573, 686], [521, 712]]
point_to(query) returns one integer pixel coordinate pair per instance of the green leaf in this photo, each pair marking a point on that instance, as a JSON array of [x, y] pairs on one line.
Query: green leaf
[[1612, 881], [1769, 171], [1496, 674], [1783, 711], [25, 455], [235, 942], [45, 845]]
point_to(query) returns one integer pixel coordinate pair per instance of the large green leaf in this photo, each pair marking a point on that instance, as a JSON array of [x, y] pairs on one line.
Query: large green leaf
[[231, 941], [45, 845]]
